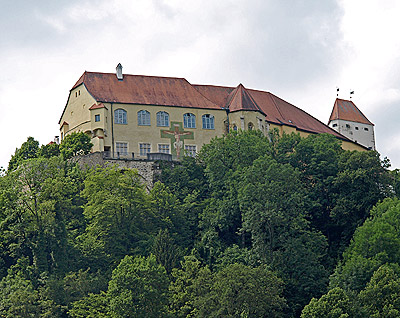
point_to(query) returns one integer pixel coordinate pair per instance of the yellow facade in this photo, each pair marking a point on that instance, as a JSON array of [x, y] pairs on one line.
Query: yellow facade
[[107, 134]]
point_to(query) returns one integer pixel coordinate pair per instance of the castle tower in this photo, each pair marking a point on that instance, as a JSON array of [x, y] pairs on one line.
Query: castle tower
[[349, 121]]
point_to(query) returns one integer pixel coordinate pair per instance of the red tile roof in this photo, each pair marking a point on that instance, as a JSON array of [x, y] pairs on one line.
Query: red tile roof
[[347, 110], [145, 90], [240, 99], [97, 106]]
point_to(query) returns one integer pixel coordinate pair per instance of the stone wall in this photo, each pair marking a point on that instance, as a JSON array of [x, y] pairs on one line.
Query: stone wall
[[148, 170]]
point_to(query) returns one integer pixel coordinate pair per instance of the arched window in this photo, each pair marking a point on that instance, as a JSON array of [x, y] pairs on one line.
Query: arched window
[[120, 116], [250, 126], [208, 121], [143, 118], [189, 120], [162, 119]]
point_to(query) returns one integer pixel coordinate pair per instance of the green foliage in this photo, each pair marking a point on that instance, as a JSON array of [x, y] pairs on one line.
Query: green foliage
[[29, 149], [335, 304], [91, 306], [118, 215], [189, 283], [36, 202], [138, 288], [271, 198], [50, 150], [375, 243], [223, 159], [381, 296], [232, 293], [185, 178], [165, 250], [262, 212], [74, 144]]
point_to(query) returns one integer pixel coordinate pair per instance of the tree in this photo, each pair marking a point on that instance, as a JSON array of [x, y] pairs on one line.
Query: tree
[[335, 304], [91, 306], [223, 159], [381, 296], [375, 243], [362, 181], [273, 212], [242, 291], [36, 200], [29, 149], [138, 288], [50, 150], [165, 250], [75, 143], [118, 215], [189, 283]]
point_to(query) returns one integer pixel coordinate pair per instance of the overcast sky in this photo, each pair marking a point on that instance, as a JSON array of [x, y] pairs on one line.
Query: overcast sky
[[298, 50]]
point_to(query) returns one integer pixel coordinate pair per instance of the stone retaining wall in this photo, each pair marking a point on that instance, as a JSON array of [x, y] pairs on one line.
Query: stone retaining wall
[[148, 170]]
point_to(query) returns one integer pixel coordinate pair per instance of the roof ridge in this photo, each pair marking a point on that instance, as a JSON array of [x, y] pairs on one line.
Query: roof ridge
[[140, 75], [210, 85], [231, 96], [276, 106]]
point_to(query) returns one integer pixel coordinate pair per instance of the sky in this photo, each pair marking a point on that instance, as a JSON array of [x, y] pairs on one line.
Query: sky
[[298, 50]]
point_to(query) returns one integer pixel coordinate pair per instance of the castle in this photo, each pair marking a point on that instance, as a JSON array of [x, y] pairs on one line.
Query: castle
[[135, 116]]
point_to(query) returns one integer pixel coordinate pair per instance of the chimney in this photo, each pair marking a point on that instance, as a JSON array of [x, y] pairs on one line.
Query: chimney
[[119, 72]]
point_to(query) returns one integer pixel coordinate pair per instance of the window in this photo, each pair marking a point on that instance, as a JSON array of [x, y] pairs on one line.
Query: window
[[96, 117], [334, 125], [144, 149], [120, 116], [347, 126], [234, 128], [366, 129], [189, 120], [164, 148], [121, 148], [143, 118], [356, 128], [190, 150], [208, 121], [162, 119], [250, 126]]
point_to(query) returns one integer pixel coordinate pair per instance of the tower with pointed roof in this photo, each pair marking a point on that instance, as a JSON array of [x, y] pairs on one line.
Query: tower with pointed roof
[[349, 121]]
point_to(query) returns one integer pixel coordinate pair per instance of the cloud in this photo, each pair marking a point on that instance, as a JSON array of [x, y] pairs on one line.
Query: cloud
[[298, 50]]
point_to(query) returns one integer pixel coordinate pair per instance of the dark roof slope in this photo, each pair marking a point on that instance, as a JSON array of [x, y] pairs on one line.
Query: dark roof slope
[[347, 110], [146, 90]]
